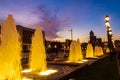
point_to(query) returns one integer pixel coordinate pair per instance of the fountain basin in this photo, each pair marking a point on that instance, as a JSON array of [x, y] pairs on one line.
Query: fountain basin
[[64, 69]]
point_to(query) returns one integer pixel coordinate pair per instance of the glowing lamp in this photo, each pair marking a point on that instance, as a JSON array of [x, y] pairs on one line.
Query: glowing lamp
[[107, 18], [109, 29], [107, 24], [110, 32]]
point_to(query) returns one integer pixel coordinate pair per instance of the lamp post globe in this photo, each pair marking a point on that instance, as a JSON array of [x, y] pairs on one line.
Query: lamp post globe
[[107, 18], [109, 33]]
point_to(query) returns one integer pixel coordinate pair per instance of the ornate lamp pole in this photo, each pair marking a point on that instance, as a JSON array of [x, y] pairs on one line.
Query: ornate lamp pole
[[71, 35], [109, 33]]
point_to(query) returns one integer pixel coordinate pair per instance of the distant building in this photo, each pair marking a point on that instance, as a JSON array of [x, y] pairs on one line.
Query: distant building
[[94, 40], [117, 45], [25, 36], [84, 47], [117, 42], [67, 43], [99, 42]]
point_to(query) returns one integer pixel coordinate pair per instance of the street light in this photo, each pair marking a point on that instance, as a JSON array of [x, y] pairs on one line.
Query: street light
[[107, 18], [107, 24], [109, 33]]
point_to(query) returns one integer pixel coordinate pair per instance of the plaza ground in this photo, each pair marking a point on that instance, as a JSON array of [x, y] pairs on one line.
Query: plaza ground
[[105, 69]]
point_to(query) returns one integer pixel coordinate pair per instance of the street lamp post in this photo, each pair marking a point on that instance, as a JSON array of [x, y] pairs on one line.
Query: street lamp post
[[71, 35], [109, 33]]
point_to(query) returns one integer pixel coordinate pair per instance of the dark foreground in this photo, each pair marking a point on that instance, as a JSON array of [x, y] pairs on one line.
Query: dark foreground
[[104, 69]]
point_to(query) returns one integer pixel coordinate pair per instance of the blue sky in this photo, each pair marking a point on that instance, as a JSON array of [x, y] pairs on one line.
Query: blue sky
[[58, 16]]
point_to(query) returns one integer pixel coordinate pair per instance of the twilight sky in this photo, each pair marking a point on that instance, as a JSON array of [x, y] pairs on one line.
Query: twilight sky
[[57, 16]]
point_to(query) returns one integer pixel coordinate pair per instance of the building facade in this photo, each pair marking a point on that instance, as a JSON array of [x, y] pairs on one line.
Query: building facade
[[25, 37], [94, 40]]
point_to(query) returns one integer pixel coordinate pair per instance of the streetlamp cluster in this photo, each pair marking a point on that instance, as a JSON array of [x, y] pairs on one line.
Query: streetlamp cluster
[[109, 33]]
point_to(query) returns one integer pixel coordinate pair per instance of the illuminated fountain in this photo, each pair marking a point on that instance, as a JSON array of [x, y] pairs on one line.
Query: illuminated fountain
[[10, 50], [75, 52], [79, 51], [72, 52], [98, 51], [38, 55], [38, 62], [107, 50], [89, 51], [101, 51]]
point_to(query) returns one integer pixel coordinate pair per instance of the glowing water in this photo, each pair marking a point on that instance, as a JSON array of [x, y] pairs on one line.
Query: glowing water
[[101, 51], [89, 51], [79, 50], [72, 54], [107, 50], [48, 72], [75, 52], [98, 51], [10, 66], [38, 55]]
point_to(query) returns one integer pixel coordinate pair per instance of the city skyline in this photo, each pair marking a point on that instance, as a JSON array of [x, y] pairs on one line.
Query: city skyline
[[56, 17]]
